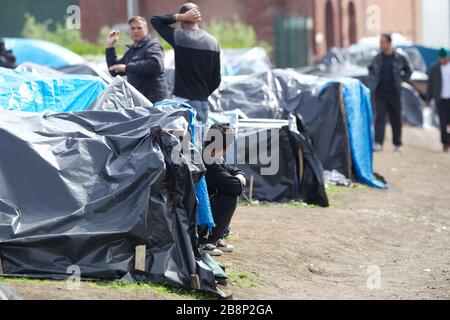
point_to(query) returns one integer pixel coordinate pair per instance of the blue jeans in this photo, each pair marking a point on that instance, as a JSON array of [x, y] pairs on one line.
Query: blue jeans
[[202, 108]]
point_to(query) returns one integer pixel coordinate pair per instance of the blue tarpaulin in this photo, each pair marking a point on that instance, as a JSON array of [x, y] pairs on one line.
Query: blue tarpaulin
[[204, 212], [429, 55], [24, 91], [358, 108], [42, 52]]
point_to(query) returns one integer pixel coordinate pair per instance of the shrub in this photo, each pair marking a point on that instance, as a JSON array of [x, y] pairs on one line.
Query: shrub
[[235, 34], [230, 34]]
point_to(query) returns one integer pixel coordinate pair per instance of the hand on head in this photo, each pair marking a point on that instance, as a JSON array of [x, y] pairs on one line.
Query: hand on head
[[193, 16]]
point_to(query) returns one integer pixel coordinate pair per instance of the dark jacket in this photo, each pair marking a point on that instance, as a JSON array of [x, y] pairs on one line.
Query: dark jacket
[[402, 71], [221, 177], [434, 83], [7, 59], [197, 59], [145, 68]]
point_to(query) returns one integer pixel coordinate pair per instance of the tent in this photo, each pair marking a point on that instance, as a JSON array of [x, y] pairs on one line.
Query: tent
[[35, 92], [353, 62], [100, 190], [294, 171], [341, 140], [90, 69], [42, 52]]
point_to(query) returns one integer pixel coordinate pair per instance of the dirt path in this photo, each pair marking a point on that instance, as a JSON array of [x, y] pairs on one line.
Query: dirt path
[[326, 253], [305, 253]]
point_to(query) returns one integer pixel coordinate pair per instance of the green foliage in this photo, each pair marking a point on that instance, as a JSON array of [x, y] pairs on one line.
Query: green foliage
[[244, 279], [231, 34], [235, 34], [60, 34], [163, 290]]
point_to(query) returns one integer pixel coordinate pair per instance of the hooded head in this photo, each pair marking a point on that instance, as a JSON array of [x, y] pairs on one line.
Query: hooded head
[[443, 56]]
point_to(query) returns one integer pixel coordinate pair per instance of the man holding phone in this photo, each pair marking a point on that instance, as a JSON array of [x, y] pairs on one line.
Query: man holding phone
[[143, 63]]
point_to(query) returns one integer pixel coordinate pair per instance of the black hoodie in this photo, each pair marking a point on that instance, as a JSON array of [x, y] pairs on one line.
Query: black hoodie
[[145, 68]]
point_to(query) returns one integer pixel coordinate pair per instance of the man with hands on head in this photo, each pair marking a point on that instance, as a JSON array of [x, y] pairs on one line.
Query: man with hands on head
[[197, 57], [143, 63]]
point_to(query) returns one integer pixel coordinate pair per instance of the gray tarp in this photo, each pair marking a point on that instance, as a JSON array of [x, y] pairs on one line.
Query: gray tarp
[[84, 189]]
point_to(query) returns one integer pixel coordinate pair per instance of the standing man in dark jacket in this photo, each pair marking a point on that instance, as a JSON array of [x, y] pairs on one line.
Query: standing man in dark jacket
[[439, 91], [7, 58], [197, 57], [225, 185], [387, 71], [143, 63]]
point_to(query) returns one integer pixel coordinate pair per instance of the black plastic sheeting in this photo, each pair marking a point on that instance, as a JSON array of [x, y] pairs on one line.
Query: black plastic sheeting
[[269, 95], [87, 69], [324, 116], [280, 93], [344, 63], [300, 174], [86, 188]]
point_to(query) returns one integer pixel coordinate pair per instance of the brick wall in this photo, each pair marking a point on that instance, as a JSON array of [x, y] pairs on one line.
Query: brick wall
[[401, 16], [396, 16], [98, 13]]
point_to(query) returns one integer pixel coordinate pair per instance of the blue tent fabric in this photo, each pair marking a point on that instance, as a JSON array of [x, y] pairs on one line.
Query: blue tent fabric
[[358, 108], [25, 91], [430, 55], [42, 52], [204, 211]]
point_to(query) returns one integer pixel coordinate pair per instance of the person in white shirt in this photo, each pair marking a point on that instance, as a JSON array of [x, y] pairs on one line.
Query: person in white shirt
[[439, 91]]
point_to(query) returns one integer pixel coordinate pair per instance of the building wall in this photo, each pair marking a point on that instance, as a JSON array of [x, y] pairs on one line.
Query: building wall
[[96, 14], [99, 13], [436, 23], [403, 16]]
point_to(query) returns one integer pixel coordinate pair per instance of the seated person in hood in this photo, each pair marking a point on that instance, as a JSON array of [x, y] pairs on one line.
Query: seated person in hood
[[143, 63], [225, 185]]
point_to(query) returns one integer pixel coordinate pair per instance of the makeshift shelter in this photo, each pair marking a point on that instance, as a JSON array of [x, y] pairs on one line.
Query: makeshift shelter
[[42, 52], [234, 62], [100, 190], [293, 170], [353, 62], [90, 69], [32, 92], [337, 114]]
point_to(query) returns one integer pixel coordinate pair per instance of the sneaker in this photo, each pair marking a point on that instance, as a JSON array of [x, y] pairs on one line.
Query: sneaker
[[377, 147], [398, 149], [211, 250], [224, 247]]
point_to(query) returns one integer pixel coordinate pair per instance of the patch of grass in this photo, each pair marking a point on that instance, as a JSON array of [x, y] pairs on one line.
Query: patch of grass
[[291, 204], [243, 279], [333, 191], [30, 280], [330, 190], [160, 289], [232, 237]]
